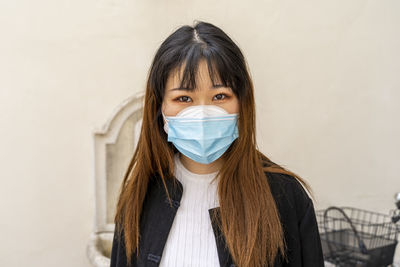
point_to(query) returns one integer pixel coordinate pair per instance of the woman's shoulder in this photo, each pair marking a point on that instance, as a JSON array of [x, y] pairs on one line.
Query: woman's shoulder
[[298, 219], [289, 194], [282, 183]]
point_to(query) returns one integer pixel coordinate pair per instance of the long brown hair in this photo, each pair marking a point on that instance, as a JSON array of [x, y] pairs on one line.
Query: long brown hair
[[249, 218]]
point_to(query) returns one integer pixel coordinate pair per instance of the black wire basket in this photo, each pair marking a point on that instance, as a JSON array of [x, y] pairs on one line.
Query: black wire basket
[[357, 238]]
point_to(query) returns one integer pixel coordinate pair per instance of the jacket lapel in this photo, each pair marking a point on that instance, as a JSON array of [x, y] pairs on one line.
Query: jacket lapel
[[156, 220], [225, 258]]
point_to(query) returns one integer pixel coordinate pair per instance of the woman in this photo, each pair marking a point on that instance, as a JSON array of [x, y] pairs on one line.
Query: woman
[[197, 191]]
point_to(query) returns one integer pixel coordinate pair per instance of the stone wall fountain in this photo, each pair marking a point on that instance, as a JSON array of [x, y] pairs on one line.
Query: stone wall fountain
[[114, 144]]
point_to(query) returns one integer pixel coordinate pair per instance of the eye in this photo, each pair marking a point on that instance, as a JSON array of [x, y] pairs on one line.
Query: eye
[[182, 99], [221, 96]]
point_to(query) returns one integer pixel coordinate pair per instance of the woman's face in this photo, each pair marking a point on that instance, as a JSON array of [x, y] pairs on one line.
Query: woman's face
[[176, 99]]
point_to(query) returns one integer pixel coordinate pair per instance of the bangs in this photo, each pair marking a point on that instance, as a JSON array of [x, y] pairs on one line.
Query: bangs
[[218, 69]]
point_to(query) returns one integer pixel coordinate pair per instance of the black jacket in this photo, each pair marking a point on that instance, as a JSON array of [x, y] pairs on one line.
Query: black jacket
[[295, 208]]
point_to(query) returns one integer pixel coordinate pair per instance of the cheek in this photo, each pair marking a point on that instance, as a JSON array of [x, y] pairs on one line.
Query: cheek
[[233, 106], [170, 108]]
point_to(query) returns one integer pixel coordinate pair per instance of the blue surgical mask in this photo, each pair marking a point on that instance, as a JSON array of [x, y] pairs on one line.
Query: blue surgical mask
[[202, 132]]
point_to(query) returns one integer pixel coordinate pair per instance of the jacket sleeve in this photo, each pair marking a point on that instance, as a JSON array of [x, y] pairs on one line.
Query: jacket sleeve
[[118, 255], [311, 249]]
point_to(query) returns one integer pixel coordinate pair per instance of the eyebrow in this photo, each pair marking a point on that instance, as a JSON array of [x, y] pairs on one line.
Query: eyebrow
[[190, 89]]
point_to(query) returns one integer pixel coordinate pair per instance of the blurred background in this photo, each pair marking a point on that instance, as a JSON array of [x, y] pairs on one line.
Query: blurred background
[[327, 88]]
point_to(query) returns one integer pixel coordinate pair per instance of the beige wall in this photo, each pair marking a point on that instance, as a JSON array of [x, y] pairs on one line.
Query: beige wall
[[326, 81]]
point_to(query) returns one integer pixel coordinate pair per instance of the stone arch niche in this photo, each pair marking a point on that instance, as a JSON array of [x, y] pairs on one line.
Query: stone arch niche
[[114, 144]]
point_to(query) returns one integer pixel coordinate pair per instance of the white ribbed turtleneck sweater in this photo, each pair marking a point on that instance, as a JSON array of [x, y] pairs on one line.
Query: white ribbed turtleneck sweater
[[191, 240]]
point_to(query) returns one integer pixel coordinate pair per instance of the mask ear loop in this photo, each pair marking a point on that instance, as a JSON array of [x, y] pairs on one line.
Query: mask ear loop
[[165, 122], [157, 122]]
